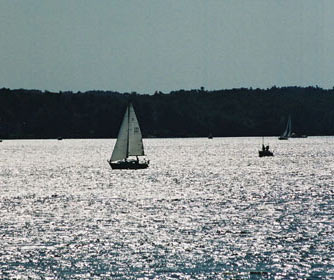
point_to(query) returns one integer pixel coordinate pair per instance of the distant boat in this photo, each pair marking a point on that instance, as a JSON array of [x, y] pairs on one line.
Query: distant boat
[[129, 144], [295, 135], [60, 138], [287, 132], [0, 140], [210, 136], [265, 150]]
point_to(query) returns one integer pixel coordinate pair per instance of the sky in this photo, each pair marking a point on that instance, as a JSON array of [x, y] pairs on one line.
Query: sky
[[165, 45]]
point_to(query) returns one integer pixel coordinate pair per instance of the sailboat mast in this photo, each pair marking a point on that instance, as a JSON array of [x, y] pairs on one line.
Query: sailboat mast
[[127, 138]]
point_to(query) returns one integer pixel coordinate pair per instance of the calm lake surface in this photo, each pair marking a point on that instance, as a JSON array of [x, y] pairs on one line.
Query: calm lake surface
[[204, 209]]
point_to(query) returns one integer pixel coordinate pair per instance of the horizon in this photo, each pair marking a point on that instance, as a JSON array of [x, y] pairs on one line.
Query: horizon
[[201, 89]]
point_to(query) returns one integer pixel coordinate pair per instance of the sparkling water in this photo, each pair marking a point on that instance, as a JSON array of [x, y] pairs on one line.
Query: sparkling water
[[204, 209]]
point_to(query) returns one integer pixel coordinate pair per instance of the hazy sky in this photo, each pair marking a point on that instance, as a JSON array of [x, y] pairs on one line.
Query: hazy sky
[[148, 45]]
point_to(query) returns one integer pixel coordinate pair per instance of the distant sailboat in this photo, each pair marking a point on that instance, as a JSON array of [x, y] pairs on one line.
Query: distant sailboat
[[129, 144], [287, 132]]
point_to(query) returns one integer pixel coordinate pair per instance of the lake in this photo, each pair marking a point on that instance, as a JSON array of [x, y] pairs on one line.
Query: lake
[[204, 209]]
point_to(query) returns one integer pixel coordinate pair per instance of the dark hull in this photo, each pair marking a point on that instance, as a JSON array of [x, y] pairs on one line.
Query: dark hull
[[128, 165], [283, 138], [299, 136], [265, 154]]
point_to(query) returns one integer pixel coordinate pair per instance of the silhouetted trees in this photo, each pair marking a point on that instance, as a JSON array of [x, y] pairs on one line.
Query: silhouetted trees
[[183, 113]]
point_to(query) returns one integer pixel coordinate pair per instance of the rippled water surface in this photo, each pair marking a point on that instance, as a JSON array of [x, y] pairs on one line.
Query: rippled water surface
[[205, 209]]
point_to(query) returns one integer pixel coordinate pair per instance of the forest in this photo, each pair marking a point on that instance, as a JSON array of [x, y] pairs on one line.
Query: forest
[[34, 114]]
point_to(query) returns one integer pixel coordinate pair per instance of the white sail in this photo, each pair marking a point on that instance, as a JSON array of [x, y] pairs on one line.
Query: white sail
[[287, 131], [121, 147], [136, 147], [290, 128]]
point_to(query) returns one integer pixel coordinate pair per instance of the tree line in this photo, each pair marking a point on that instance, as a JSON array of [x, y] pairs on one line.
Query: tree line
[[183, 113]]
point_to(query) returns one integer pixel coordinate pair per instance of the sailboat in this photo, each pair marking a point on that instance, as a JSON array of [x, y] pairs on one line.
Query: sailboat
[[265, 150], [287, 132], [129, 144]]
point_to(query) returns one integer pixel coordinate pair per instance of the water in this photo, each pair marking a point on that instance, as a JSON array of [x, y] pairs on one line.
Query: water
[[205, 209]]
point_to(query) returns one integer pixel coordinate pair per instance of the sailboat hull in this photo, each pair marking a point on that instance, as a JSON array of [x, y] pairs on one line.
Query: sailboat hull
[[265, 154], [128, 165]]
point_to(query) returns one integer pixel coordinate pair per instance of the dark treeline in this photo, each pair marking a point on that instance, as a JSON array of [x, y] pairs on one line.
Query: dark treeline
[[235, 112]]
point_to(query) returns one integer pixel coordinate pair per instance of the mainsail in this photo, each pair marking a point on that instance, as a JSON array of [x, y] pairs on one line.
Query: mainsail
[[129, 140]]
